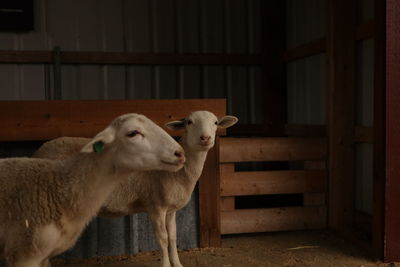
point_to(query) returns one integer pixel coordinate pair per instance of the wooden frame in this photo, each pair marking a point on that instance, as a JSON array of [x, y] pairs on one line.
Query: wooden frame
[[43, 120], [341, 84], [126, 58], [391, 233]]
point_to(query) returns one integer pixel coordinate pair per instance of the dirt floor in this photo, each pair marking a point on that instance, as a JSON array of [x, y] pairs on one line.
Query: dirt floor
[[306, 248]]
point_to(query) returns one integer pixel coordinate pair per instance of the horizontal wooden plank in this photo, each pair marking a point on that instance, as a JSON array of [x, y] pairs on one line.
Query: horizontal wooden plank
[[273, 182], [42, 120], [269, 220], [315, 165], [305, 130], [365, 30], [363, 134], [314, 199], [227, 203], [123, 58], [246, 130], [305, 50], [272, 149]]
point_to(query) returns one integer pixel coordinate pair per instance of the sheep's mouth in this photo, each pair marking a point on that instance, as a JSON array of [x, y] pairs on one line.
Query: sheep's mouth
[[172, 163], [206, 144]]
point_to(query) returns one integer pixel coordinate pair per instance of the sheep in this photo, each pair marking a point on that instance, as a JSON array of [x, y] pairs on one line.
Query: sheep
[[45, 204], [158, 193]]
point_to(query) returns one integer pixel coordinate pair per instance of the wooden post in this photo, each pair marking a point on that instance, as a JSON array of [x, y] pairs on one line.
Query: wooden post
[[392, 196], [273, 14], [209, 200], [379, 129], [341, 83]]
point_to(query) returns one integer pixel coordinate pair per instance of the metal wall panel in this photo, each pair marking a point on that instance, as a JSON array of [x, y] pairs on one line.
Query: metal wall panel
[[306, 78], [365, 83], [306, 21], [306, 84], [365, 10]]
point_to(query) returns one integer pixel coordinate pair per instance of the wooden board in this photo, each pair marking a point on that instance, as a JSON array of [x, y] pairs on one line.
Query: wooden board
[[306, 50], [43, 120], [227, 203], [392, 197], [314, 199], [209, 200], [379, 131], [122, 58], [273, 182], [272, 149], [341, 84], [276, 219]]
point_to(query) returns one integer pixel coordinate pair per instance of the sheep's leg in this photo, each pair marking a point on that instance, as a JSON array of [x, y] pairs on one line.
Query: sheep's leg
[[160, 230], [173, 250]]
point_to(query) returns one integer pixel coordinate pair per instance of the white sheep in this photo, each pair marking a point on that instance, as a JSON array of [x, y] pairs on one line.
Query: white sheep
[[158, 193], [45, 204]]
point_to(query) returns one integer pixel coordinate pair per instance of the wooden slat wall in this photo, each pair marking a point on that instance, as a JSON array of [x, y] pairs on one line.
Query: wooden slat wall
[[272, 149], [311, 182], [274, 219], [43, 120]]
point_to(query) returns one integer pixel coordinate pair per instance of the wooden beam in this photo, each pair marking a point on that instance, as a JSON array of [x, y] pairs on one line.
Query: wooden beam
[[273, 182], [341, 84], [379, 150], [43, 120], [392, 197], [124, 58], [365, 30], [209, 200], [305, 50], [272, 149], [275, 219]]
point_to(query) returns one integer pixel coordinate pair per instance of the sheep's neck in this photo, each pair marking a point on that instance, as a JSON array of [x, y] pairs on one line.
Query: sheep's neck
[[91, 185], [194, 163]]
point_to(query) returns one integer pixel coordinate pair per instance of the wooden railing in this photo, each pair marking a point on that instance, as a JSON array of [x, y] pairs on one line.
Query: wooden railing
[[310, 181]]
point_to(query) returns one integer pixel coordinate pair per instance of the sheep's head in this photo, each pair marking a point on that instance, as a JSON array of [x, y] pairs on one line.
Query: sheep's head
[[200, 128], [136, 143]]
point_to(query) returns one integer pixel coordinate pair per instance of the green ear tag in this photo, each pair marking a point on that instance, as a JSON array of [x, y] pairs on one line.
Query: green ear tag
[[98, 147]]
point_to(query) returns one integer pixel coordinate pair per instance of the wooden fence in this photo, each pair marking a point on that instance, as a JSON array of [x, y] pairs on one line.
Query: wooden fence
[[310, 181]]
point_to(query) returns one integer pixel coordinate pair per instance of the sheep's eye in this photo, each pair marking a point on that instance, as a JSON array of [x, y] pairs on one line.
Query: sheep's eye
[[132, 133], [189, 122], [216, 123]]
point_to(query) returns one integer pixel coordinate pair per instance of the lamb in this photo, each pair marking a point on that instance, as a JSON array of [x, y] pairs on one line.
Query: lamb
[[45, 204], [158, 193]]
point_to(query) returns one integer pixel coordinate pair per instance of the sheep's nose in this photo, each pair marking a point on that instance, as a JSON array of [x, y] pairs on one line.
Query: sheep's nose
[[205, 137], [179, 154]]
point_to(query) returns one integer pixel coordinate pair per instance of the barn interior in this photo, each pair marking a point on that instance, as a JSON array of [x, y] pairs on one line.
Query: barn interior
[[304, 77]]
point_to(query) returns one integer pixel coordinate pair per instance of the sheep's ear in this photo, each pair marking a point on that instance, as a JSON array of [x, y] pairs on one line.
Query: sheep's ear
[[176, 125], [227, 121], [98, 142]]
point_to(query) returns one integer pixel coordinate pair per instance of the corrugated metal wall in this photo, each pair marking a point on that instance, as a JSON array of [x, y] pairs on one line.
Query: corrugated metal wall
[[306, 78], [165, 26]]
